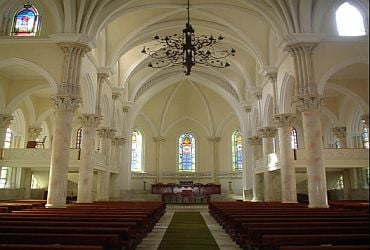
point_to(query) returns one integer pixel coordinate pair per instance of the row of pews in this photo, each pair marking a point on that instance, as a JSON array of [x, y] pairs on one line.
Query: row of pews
[[99, 225], [273, 225]]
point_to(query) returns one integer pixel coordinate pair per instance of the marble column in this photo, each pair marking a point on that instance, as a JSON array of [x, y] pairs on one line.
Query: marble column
[[215, 141], [106, 135], [316, 175], [66, 101], [102, 190], [248, 165], [284, 123], [5, 121], [27, 181], [158, 141], [340, 133], [120, 185], [89, 123], [267, 134], [255, 144]]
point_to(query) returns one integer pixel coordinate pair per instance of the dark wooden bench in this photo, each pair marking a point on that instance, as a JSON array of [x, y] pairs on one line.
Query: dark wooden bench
[[326, 247], [274, 242], [107, 241], [242, 234], [255, 234], [47, 247], [122, 233]]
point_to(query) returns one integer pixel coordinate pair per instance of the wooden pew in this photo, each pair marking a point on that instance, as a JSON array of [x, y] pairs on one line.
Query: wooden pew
[[326, 247], [47, 247], [122, 233], [107, 241], [255, 234], [274, 242], [242, 235]]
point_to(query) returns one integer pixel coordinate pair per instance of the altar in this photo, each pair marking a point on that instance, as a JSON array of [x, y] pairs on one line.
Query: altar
[[186, 192]]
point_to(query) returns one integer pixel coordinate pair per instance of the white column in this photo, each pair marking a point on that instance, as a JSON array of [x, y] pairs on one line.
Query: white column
[[308, 102], [340, 133], [248, 165], [316, 175], [121, 169], [255, 144], [284, 123], [27, 181], [102, 191], [65, 102], [215, 141], [106, 135], [158, 140], [89, 124], [267, 134]]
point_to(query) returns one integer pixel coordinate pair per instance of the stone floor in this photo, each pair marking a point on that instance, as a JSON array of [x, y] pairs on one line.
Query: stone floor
[[154, 238]]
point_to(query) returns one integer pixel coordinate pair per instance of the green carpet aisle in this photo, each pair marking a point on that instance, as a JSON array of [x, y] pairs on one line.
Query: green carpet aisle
[[188, 230]]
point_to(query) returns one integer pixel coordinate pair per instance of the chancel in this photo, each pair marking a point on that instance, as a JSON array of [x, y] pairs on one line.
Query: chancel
[[270, 120]]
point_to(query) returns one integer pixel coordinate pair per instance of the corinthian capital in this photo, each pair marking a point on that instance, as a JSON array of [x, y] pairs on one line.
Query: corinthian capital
[[284, 120], [90, 120], [66, 102], [33, 133], [308, 102], [339, 132], [254, 140], [5, 120], [365, 120], [267, 132]]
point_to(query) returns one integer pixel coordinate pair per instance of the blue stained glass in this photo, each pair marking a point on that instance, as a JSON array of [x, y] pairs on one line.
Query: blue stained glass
[[26, 21], [187, 152], [237, 150], [136, 151]]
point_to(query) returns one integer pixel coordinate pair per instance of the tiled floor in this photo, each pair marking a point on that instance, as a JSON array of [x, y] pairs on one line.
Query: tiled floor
[[154, 238]]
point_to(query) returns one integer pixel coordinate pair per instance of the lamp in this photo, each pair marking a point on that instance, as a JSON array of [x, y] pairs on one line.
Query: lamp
[[188, 50]]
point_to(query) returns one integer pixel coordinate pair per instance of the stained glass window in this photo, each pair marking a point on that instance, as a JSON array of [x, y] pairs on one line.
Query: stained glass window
[[293, 138], [136, 150], [186, 153], [26, 21], [237, 150], [3, 176], [8, 138], [365, 138], [79, 138], [349, 21]]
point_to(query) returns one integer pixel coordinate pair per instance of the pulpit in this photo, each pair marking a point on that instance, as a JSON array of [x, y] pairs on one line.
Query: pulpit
[[189, 193]]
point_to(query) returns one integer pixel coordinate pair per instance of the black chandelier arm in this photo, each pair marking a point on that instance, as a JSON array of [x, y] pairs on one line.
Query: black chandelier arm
[[218, 55]]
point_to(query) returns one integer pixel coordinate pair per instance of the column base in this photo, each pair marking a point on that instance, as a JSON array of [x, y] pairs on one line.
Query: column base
[[55, 206], [317, 206], [287, 202]]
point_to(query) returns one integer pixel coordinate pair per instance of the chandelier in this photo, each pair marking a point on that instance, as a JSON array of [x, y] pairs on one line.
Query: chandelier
[[188, 50]]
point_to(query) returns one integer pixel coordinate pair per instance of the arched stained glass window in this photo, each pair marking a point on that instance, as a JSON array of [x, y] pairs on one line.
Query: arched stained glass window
[[237, 150], [294, 138], [136, 150], [79, 138], [26, 21], [186, 152], [349, 21], [8, 138]]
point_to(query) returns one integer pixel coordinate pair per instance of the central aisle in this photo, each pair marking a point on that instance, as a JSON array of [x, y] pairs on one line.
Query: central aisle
[[153, 240]]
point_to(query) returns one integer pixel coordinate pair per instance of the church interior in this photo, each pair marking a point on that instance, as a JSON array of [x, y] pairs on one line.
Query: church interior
[[173, 101]]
